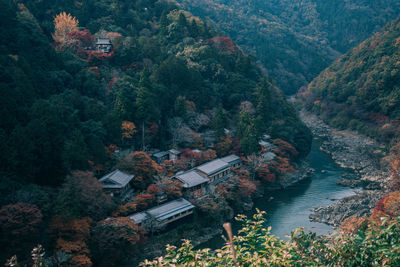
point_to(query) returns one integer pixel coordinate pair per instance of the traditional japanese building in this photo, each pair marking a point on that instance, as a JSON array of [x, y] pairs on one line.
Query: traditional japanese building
[[116, 183], [173, 154], [104, 45], [160, 157], [214, 170], [192, 182], [233, 160], [160, 216]]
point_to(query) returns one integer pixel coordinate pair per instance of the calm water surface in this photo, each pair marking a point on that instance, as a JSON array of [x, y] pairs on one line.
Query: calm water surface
[[291, 207]]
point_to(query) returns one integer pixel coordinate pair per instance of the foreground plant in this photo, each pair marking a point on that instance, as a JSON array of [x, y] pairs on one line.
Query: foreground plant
[[375, 245]]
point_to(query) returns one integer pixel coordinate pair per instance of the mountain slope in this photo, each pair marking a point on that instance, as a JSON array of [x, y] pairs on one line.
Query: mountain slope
[[295, 40], [61, 109], [361, 90]]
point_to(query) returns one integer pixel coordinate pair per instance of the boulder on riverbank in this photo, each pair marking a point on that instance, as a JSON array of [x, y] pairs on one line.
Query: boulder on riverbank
[[358, 153]]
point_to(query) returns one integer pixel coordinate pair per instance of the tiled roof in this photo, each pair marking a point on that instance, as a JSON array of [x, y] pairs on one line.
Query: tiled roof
[[212, 167], [174, 151], [231, 159], [170, 209], [139, 217], [116, 179], [160, 154], [104, 41], [191, 179]]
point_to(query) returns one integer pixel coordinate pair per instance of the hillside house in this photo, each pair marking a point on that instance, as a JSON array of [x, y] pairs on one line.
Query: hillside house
[[160, 157], [192, 182], [233, 160], [104, 45], [173, 154], [116, 183], [214, 170], [158, 217]]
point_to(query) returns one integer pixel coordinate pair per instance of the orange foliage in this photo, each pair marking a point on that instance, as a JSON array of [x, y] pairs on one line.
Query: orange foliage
[[265, 174], [284, 149], [81, 261], [153, 189], [145, 201], [280, 166], [388, 206], [128, 129], [125, 210], [173, 189], [224, 146], [352, 224], [223, 44], [71, 236], [63, 24], [209, 155], [246, 187]]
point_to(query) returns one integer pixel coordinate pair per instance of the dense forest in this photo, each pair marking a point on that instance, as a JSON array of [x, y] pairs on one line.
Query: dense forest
[[60, 109], [361, 90], [295, 40], [169, 81]]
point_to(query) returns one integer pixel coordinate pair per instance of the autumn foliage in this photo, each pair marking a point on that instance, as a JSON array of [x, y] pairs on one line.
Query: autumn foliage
[[64, 24], [20, 224], [116, 239], [71, 236], [223, 44]]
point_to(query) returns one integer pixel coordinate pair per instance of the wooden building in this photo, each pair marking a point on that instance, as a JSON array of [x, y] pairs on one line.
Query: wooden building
[[158, 217], [104, 45], [214, 170], [192, 182], [160, 157], [233, 160], [173, 154], [116, 183]]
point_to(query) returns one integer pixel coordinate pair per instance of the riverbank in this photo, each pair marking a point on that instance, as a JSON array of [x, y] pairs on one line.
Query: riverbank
[[360, 154]]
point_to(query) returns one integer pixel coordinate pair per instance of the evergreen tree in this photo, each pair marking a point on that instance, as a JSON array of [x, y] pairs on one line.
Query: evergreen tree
[[194, 29], [263, 100], [146, 107], [182, 21], [220, 123], [164, 22]]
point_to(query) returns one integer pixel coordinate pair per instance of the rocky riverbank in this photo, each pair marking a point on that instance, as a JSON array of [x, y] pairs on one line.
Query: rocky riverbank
[[360, 154]]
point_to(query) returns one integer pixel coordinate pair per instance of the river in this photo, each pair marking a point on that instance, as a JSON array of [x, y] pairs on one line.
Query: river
[[291, 207]]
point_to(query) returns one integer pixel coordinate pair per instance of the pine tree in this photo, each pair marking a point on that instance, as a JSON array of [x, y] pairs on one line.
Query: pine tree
[[219, 123], [263, 100], [164, 22], [182, 21], [194, 29], [146, 108]]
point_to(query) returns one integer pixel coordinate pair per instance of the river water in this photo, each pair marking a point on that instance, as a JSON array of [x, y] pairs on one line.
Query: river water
[[291, 207]]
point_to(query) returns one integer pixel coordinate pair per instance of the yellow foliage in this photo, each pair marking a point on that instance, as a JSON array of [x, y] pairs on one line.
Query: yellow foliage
[[63, 24], [128, 129]]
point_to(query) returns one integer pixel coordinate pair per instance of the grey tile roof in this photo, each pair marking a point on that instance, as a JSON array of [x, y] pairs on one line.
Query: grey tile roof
[[116, 179], [269, 156], [170, 209], [174, 151], [212, 167], [139, 217], [265, 144], [104, 41], [160, 154], [191, 179], [231, 159]]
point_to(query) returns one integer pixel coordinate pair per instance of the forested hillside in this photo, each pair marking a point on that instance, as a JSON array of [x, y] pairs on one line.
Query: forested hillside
[[61, 109], [168, 82], [295, 40], [361, 90]]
